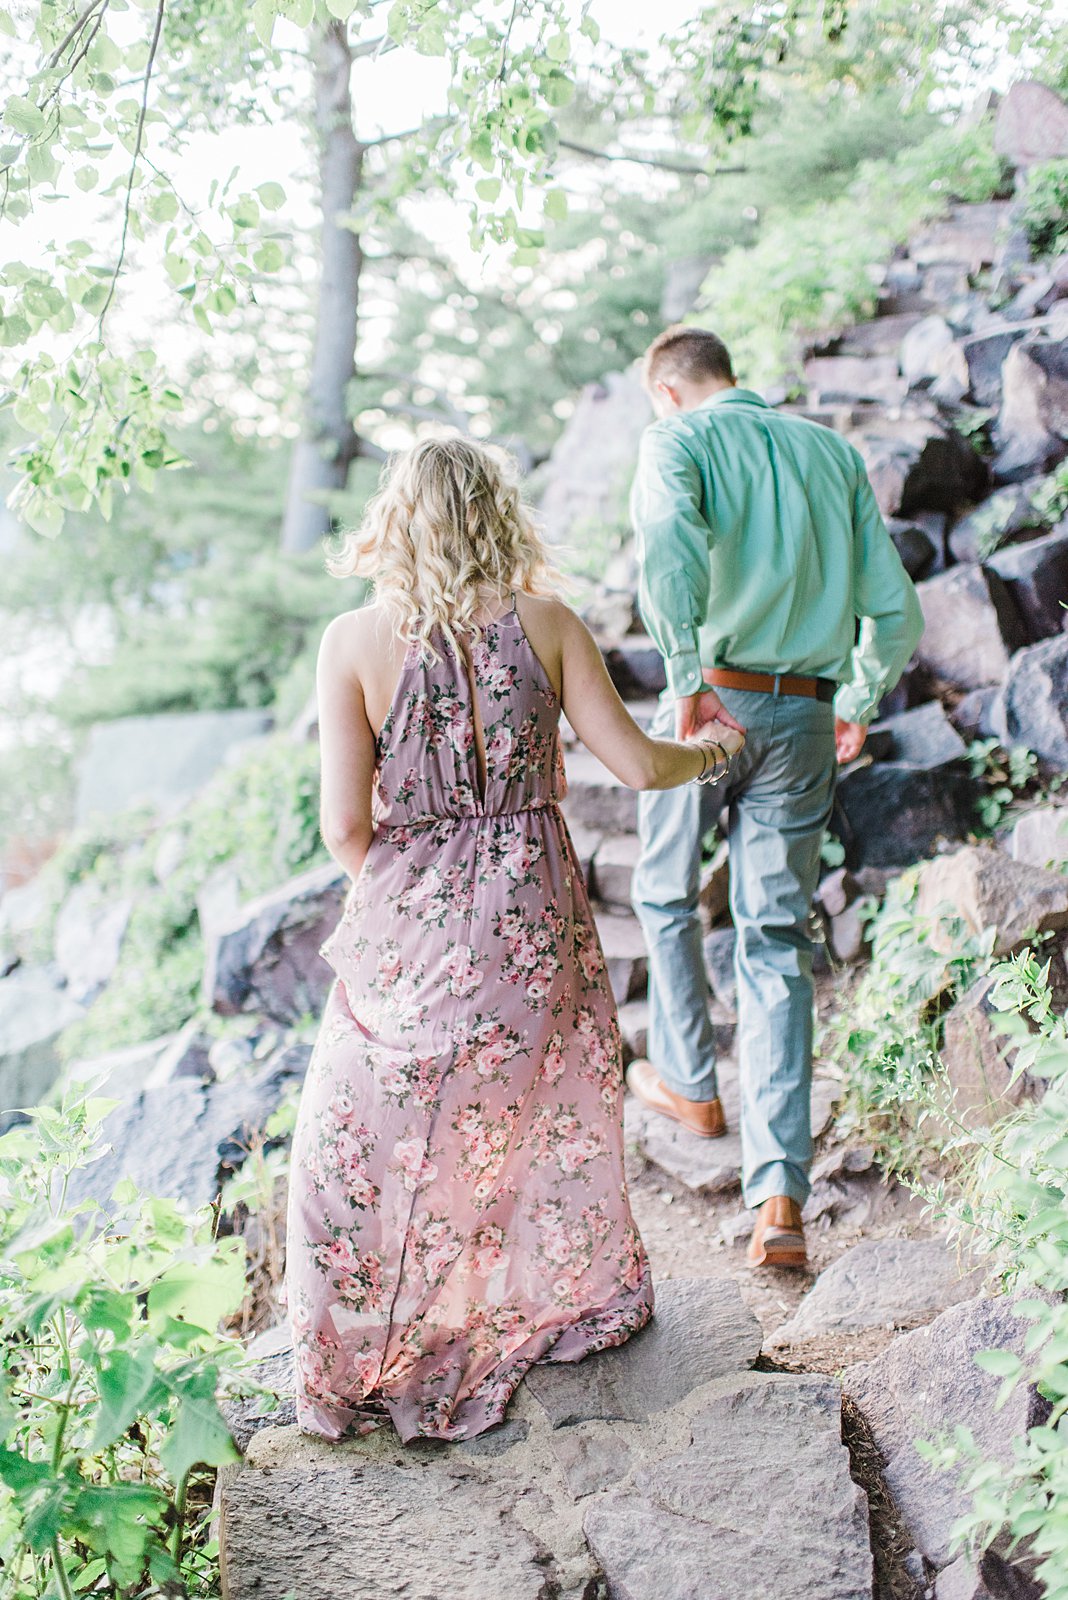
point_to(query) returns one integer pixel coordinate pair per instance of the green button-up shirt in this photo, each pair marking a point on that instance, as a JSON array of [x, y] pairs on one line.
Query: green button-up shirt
[[761, 546]]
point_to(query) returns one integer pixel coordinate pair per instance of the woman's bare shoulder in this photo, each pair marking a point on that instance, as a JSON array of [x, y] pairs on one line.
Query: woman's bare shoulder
[[548, 612], [353, 636]]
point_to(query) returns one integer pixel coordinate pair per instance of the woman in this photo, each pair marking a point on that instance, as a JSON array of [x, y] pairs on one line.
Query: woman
[[457, 1207]]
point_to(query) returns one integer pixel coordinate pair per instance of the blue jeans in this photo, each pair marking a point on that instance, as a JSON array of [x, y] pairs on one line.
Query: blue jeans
[[779, 791]]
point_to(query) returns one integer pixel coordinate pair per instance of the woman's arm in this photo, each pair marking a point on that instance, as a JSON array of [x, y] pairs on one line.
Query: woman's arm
[[347, 749], [605, 726]]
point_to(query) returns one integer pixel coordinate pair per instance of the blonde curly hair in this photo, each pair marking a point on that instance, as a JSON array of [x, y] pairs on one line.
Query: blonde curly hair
[[445, 534]]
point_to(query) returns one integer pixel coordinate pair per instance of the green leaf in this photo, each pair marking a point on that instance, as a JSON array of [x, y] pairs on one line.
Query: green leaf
[[24, 115], [125, 1382], [558, 48], [488, 189], [272, 196], [201, 1291], [1002, 1363], [269, 256], [43, 516], [264, 14], [556, 205], [199, 1436], [162, 206], [342, 9]]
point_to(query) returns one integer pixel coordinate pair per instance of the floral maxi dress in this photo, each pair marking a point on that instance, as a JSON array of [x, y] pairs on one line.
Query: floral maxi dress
[[457, 1206]]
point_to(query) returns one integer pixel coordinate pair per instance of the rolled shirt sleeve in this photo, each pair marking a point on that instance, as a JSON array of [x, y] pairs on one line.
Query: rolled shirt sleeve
[[672, 546], [887, 608]]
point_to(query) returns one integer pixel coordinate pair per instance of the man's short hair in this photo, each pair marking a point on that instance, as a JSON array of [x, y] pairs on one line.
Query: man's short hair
[[693, 354]]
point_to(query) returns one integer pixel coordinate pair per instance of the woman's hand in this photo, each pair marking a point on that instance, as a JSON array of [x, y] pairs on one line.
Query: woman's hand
[[721, 733], [694, 712]]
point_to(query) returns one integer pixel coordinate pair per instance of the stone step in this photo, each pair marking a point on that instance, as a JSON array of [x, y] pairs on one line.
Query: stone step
[[595, 798], [613, 868], [881, 336], [625, 955], [628, 1473]]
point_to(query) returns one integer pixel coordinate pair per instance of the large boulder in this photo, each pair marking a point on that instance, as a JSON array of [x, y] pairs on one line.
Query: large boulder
[[914, 545], [924, 736], [1005, 516], [978, 1060], [892, 813], [88, 938], [967, 237], [1032, 428], [593, 459], [159, 760], [898, 1283], [1040, 838], [267, 957], [686, 1526], [914, 466], [984, 354], [1036, 576], [926, 1384], [851, 379], [1032, 708], [985, 888], [924, 349], [971, 627], [1031, 124], [33, 1013], [183, 1139]]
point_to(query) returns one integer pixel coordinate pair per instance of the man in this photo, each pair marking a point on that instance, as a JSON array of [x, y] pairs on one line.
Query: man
[[774, 592]]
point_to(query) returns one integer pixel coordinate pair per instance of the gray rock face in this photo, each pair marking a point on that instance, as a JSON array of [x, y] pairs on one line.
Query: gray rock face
[[1008, 511], [978, 1059], [636, 667], [852, 378], [878, 1283], [625, 955], [967, 238], [593, 459], [1041, 838], [1032, 709], [267, 958], [984, 353], [987, 889], [923, 350], [892, 814], [914, 546], [924, 736], [700, 1330], [89, 935], [694, 1523], [971, 627], [595, 798], [1031, 125], [613, 869], [719, 949], [182, 1139], [927, 1383], [33, 1013], [399, 1526], [161, 760], [1033, 423], [1036, 576]]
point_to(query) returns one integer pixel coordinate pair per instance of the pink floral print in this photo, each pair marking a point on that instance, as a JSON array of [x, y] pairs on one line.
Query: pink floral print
[[457, 1207]]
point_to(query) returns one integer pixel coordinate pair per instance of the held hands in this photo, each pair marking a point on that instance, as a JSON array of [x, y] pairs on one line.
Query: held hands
[[704, 716]]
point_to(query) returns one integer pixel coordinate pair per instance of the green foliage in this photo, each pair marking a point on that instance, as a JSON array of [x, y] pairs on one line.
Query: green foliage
[[1050, 499], [886, 1039], [1044, 207], [257, 820], [111, 1366], [1007, 774], [1011, 1199], [814, 271]]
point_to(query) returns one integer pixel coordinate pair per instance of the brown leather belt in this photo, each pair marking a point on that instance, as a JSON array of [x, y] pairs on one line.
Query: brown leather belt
[[772, 683]]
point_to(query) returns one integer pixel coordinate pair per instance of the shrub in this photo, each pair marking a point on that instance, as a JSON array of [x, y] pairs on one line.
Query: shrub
[[111, 1368], [1045, 207]]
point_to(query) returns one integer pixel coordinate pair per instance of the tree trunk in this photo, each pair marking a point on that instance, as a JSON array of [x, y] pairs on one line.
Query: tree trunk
[[329, 442]]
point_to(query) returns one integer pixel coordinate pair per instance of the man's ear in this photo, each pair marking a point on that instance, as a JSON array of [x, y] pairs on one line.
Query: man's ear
[[666, 392]]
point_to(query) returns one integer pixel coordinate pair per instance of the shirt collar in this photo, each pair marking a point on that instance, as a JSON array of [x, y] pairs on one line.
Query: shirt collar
[[724, 397]]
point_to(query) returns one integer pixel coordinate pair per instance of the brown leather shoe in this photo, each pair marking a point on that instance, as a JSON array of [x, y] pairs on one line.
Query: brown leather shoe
[[778, 1238], [700, 1116]]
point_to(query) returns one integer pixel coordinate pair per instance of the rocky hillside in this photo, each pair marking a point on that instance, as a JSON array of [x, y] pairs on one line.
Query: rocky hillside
[[758, 1427]]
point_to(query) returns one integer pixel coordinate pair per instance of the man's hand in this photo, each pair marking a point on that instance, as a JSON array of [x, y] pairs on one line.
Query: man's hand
[[693, 713], [849, 740]]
